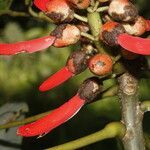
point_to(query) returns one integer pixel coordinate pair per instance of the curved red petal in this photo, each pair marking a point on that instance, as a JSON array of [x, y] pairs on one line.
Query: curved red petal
[[56, 79], [148, 25], [26, 46], [135, 44], [41, 4], [52, 120]]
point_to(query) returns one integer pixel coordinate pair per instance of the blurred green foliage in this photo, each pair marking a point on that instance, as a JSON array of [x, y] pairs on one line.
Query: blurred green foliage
[[21, 75]]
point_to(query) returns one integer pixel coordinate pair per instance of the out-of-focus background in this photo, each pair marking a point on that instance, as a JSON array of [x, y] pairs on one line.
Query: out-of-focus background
[[21, 75]]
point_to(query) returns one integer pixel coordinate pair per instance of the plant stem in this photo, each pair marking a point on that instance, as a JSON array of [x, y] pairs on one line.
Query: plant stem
[[111, 130], [14, 13], [131, 113], [110, 92], [39, 15], [95, 24], [145, 106], [101, 9], [81, 18], [27, 120], [87, 36]]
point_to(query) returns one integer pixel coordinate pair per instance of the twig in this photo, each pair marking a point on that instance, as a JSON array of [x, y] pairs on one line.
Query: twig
[[14, 13], [87, 36], [110, 131], [81, 18], [39, 15], [27, 120], [101, 9], [131, 113], [95, 24]]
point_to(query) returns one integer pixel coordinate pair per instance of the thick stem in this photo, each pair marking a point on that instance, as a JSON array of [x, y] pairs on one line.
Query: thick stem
[[95, 24], [131, 113]]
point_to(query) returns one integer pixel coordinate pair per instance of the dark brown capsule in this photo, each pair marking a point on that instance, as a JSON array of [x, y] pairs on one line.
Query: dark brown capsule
[[110, 32], [90, 89], [77, 62], [122, 10]]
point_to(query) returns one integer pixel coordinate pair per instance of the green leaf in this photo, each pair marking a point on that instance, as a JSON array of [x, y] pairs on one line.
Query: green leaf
[[5, 4]]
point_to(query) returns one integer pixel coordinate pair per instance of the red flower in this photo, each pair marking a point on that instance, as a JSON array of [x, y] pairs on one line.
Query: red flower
[[87, 92], [52, 120]]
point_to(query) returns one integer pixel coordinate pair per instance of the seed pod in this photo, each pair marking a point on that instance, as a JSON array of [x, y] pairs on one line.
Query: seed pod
[[100, 64], [137, 28], [122, 10], [66, 34], [59, 11], [90, 89], [77, 62], [110, 32], [80, 4]]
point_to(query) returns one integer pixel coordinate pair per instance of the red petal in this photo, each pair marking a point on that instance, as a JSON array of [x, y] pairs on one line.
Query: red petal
[[41, 4], [56, 79], [135, 44], [27, 46], [52, 120], [148, 25]]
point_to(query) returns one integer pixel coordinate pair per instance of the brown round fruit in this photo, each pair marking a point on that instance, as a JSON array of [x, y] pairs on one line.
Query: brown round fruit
[[100, 64]]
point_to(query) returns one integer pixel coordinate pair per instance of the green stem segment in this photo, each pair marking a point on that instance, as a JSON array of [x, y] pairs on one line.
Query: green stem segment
[[145, 106], [27, 120], [110, 131], [95, 24], [131, 113]]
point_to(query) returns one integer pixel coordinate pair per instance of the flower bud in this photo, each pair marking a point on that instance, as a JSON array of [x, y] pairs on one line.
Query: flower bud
[[122, 10], [137, 28], [100, 64], [90, 89], [59, 11], [110, 32], [66, 34]]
